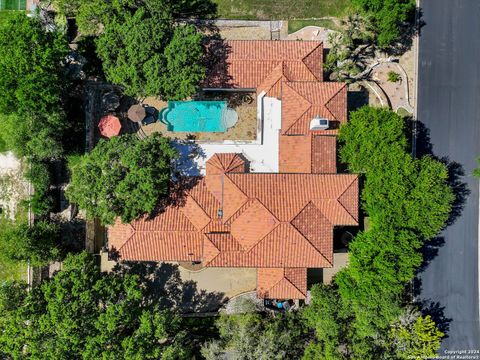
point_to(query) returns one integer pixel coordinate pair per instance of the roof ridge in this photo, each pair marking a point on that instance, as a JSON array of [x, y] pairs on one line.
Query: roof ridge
[[284, 278], [303, 113], [203, 248], [134, 230], [308, 240], [310, 53], [340, 202], [290, 281], [333, 97], [203, 210]]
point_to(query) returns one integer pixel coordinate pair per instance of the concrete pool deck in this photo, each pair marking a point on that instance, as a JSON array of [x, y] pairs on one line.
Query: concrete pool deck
[[262, 154]]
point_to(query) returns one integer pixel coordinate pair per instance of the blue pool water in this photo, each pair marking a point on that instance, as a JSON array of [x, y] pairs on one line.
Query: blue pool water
[[195, 116]]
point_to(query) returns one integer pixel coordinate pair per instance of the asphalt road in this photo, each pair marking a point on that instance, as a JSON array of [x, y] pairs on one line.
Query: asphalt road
[[449, 106]]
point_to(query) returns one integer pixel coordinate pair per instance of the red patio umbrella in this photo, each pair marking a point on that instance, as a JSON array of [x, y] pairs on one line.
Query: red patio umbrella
[[109, 126]]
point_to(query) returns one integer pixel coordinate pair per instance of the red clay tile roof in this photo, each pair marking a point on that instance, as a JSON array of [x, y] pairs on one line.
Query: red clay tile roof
[[324, 154], [279, 223], [302, 101], [260, 64], [287, 283]]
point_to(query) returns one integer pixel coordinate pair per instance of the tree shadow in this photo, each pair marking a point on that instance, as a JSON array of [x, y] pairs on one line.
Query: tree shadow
[[216, 62], [195, 9], [437, 313], [357, 99], [165, 288], [429, 251]]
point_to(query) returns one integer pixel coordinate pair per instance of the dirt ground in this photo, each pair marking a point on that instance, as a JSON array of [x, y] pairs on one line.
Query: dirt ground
[[13, 186], [397, 92], [407, 61]]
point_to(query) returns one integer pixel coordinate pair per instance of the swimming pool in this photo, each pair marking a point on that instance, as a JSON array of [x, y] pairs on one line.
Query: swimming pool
[[198, 116]]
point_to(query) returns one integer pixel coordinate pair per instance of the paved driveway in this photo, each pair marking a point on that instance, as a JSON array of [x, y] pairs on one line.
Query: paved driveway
[[449, 106]]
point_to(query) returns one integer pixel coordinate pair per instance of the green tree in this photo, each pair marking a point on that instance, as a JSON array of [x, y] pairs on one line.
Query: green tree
[[131, 49], [31, 71], [418, 339], [32, 82], [38, 244], [400, 192], [143, 50], [122, 177], [408, 200], [83, 313], [183, 71], [251, 336], [387, 17], [328, 317]]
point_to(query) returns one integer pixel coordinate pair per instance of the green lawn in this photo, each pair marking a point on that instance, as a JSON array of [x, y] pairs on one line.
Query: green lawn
[[5, 14], [13, 4], [295, 25], [13, 271], [281, 9]]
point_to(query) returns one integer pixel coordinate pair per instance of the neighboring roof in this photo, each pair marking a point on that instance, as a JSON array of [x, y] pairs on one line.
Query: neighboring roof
[[261, 64], [109, 126]]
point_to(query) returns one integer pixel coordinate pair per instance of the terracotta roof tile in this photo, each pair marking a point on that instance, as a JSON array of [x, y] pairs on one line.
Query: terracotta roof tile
[[195, 213], [349, 199], [249, 64], [316, 227], [295, 154], [253, 225], [319, 98], [164, 245], [119, 234], [289, 283], [324, 154]]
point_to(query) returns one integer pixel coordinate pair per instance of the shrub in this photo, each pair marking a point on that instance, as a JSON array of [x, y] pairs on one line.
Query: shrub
[[393, 76]]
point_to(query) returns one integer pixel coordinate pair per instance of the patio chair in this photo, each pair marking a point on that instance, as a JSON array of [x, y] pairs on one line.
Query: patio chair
[[148, 120]]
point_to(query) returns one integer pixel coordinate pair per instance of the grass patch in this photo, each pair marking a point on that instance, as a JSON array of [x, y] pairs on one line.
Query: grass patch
[[7, 14], [13, 271], [295, 25], [13, 4], [403, 112], [281, 9]]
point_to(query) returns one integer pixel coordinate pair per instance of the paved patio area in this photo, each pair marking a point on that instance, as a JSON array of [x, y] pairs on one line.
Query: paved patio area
[[229, 281]]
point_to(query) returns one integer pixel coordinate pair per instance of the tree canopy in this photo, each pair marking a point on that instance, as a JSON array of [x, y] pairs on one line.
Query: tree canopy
[[253, 336], [32, 83], [83, 313], [141, 45], [122, 177], [387, 17], [38, 244]]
